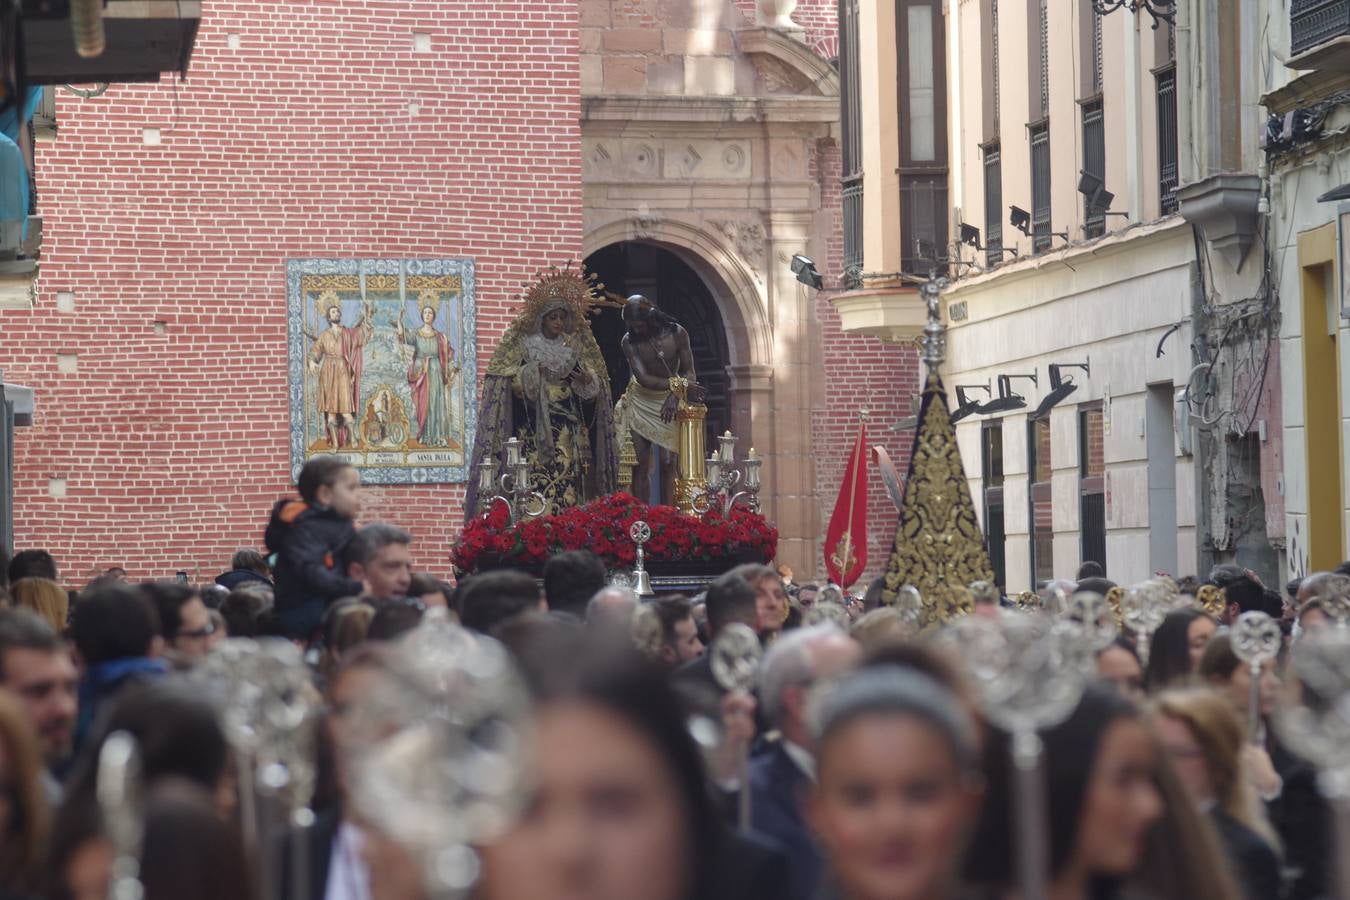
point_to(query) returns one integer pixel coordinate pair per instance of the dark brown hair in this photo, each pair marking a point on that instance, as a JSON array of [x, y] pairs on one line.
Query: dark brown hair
[[24, 840]]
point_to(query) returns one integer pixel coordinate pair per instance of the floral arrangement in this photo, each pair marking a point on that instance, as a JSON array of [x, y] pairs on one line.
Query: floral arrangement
[[602, 527]]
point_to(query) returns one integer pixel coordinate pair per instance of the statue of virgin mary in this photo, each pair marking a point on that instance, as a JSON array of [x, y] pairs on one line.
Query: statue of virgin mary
[[548, 386]]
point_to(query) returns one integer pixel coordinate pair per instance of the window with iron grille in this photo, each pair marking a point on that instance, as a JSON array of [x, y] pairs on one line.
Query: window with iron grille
[[850, 116], [1096, 48], [993, 25], [1314, 22], [1092, 484], [923, 135], [1041, 512], [991, 446], [1094, 163], [993, 204], [1167, 140], [1040, 187], [1045, 56], [923, 222]]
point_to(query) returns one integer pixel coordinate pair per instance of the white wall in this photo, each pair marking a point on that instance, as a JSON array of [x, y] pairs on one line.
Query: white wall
[[1112, 307]]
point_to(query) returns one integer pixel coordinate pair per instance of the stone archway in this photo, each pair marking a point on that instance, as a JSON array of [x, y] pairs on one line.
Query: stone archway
[[740, 303], [739, 293], [642, 267]]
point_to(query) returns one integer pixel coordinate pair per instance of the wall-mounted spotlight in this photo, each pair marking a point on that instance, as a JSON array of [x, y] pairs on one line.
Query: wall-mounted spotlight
[[1061, 386], [964, 405], [1006, 401], [1020, 219], [805, 270], [1098, 198], [970, 235]]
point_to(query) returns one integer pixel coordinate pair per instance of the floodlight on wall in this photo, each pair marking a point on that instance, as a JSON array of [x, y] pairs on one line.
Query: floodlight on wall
[[1060, 386], [964, 405], [1020, 219], [1160, 10], [1006, 401], [805, 270], [970, 235], [1098, 198]]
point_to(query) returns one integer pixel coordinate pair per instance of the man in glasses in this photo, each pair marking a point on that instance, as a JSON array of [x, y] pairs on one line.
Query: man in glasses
[[185, 623]]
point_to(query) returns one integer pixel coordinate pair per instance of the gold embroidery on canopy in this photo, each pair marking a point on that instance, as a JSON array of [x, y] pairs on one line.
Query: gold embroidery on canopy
[[939, 547]]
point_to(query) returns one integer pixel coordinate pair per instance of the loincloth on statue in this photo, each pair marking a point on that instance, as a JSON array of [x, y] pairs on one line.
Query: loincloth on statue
[[639, 411]]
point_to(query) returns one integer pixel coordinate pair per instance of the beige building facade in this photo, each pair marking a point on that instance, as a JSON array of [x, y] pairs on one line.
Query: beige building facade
[[1107, 280], [1308, 164]]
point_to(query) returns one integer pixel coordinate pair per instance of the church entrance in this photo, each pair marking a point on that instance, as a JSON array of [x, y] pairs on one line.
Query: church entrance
[[634, 267]]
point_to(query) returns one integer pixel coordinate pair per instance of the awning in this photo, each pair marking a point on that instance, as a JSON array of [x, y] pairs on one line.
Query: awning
[[22, 399]]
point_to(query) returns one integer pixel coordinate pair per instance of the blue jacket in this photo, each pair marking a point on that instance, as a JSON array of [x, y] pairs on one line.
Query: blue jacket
[[104, 680], [777, 789]]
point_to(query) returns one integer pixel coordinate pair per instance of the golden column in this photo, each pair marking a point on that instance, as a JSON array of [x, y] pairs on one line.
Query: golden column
[[690, 419]]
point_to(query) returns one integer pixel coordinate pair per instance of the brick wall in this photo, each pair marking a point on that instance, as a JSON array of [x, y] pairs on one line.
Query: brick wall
[[820, 18], [860, 372], [170, 435]]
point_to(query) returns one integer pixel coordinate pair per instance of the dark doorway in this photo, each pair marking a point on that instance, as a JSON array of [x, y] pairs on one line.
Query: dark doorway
[[636, 268]]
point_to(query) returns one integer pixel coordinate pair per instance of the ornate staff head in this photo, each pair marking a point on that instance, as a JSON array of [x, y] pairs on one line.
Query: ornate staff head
[[735, 656]]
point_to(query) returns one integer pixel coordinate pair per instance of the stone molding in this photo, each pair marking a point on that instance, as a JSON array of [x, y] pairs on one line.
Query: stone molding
[[752, 342], [719, 111], [816, 75]]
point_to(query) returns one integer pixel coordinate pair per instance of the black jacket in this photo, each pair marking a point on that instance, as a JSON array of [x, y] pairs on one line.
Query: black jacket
[[1254, 862], [308, 541], [777, 786], [235, 577], [747, 867], [317, 842], [1303, 820]]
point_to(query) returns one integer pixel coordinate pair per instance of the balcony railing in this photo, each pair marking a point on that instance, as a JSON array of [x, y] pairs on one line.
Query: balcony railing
[[1314, 22], [923, 222]]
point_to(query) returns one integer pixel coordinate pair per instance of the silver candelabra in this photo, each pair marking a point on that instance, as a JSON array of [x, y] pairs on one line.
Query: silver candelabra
[[511, 487], [728, 481]]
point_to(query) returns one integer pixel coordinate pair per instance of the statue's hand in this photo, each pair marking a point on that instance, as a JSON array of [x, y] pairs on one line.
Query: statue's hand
[[668, 408], [696, 393]]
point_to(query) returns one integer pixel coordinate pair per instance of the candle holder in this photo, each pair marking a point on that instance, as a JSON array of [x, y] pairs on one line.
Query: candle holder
[[439, 762], [734, 659], [1315, 722], [1142, 610], [511, 487], [270, 712], [727, 481], [640, 533], [120, 802], [1029, 676], [1090, 612], [1256, 639]]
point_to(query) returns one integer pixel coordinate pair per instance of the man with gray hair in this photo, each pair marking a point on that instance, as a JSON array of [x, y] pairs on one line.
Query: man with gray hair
[[611, 610], [380, 557], [792, 666]]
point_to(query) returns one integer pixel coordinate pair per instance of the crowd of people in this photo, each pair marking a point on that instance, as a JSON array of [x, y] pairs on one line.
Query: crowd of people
[[872, 773]]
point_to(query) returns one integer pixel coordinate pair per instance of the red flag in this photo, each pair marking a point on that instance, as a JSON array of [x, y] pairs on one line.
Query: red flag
[[846, 538]]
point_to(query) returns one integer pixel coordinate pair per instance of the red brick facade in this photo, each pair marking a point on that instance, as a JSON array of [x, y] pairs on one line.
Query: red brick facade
[[860, 373], [171, 436], [307, 130]]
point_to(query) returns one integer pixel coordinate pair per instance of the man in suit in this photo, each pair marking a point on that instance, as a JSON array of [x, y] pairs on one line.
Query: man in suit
[[729, 599], [780, 775]]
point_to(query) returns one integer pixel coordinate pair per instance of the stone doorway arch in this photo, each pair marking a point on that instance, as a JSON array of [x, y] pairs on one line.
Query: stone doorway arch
[[643, 267]]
